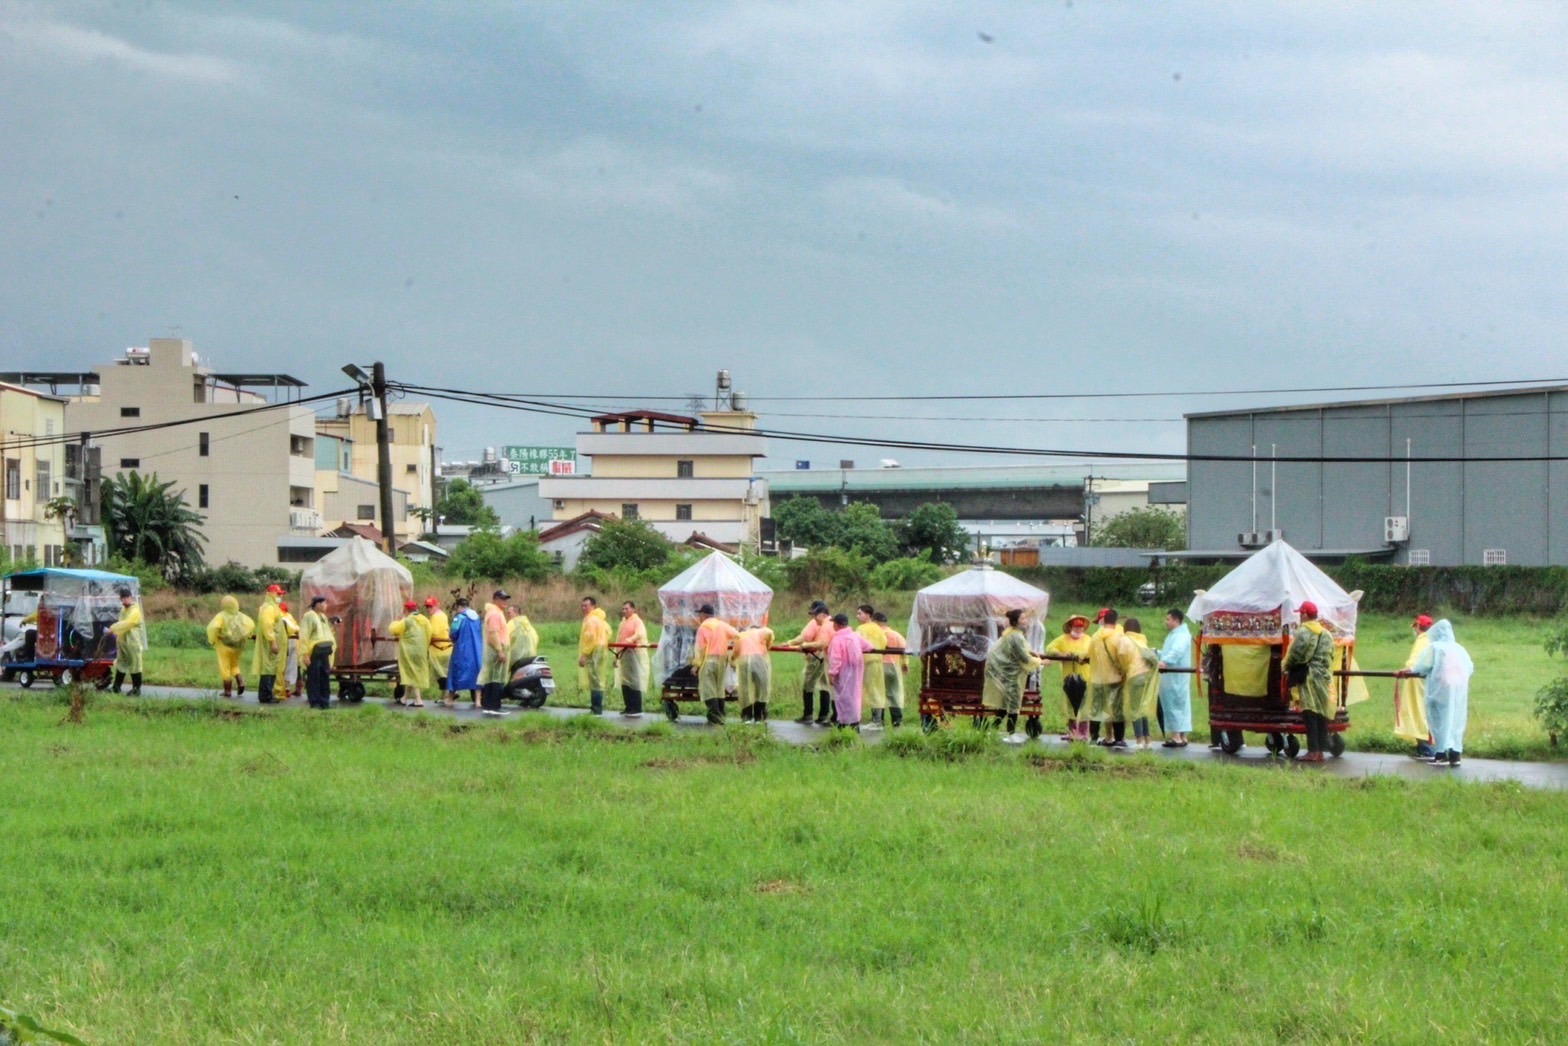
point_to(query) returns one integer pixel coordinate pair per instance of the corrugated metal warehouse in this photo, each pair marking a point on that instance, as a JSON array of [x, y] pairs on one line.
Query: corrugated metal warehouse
[[1469, 512]]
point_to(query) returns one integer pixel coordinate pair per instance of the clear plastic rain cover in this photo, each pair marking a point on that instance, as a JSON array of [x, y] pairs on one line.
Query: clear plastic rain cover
[[1274, 578], [367, 589], [966, 611], [85, 603], [735, 594]]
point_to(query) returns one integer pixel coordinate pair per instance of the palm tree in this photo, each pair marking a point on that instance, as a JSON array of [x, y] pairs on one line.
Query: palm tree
[[150, 522]]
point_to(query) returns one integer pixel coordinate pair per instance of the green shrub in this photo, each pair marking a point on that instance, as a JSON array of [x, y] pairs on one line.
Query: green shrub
[[828, 571], [906, 575], [150, 578]]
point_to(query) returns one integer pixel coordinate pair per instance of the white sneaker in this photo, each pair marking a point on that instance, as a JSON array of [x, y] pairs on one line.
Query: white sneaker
[[873, 725], [1014, 738]]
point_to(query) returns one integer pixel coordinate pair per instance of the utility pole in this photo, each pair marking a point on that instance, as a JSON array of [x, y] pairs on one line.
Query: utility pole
[[378, 388]]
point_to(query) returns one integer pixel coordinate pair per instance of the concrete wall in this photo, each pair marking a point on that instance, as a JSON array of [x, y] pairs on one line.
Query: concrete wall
[[38, 473], [1457, 510]]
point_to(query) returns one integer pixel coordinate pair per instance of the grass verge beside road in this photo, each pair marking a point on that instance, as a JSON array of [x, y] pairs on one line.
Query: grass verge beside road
[[192, 872]]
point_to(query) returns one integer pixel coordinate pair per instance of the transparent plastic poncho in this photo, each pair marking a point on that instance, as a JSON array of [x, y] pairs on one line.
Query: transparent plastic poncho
[[75, 610], [734, 593], [367, 589], [968, 611], [1262, 595]]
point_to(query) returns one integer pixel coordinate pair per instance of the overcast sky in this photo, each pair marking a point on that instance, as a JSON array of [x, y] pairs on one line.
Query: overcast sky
[[616, 200]]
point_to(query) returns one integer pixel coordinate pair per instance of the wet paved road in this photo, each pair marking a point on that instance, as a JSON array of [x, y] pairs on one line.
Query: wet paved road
[[1352, 764]]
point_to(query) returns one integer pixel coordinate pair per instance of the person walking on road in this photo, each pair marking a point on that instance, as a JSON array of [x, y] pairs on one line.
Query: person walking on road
[[1410, 694], [319, 643], [440, 643], [227, 632], [710, 657], [1007, 669], [130, 643], [1446, 666], [894, 666], [595, 663], [633, 667], [846, 672], [1176, 687], [412, 633], [1311, 652], [468, 647]]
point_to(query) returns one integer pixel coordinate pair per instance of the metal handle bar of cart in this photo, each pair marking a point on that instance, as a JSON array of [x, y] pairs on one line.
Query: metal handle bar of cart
[[621, 648]]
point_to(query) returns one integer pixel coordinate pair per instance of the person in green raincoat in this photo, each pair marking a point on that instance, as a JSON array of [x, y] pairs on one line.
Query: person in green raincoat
[[1007, 670], [1312, 647], [412, 633], [129, 643], [227, 632], [272, 643]]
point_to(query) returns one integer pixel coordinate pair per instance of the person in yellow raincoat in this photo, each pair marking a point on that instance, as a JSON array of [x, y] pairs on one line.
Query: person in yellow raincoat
[[1104, 704], [873, 692], [893, 668], [710, 657], [226, 633], [754, 673], [1071, 651], [1140, 683], [1007, 669], [813, 644], [412, 633], [1410, 708], [633, 668], [1312, 649], [595, 662], [495, 663], [319, 643], [270, 648], [440, 643], [293, 678], [129, 643]]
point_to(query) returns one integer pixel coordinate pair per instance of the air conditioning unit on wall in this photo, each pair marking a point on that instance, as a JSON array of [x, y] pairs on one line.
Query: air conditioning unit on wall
[[1396, 528]]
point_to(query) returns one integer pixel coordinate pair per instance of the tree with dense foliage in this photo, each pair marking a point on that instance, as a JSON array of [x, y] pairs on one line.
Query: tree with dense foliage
[[463, 504], [862, 529], [933, 528], [1142, 528], [632, 544], [486, 555], [805, 522], [149, 522]]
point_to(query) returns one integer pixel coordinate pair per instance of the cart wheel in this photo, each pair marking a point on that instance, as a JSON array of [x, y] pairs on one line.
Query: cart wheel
[[1032, 727], [1231, 742], [102, 682], [1275, 743], [67, 677], [351, 690], [25, 678], [927, 723], [1336, 745], [1292, 745], [672, 711]]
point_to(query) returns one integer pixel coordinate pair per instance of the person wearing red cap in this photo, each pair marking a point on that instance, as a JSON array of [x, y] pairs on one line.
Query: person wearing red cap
[[440, 642], [1410, 720], [1071, 651], [1312, 648], [271, 644], [412, 633]]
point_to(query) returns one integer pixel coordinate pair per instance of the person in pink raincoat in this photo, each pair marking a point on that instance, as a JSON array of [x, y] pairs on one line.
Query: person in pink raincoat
[[847, 671]]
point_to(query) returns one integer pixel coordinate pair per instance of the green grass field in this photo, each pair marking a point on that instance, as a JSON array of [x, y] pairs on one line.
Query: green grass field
[[1510, 666], [194, 873]]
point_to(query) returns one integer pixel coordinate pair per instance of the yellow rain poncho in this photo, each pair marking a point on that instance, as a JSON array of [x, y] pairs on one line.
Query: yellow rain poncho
[[1007, 669], [440, 643], [271, 646], [754, 666], [227, 633], [1104, 703], [525, 638], [873, 691], [633, 668], [708, 657], [413, 650], [315, 629], [893, 668], [1065, 645], [129, 645], [1313, 646], [1410, 697], [593, 644], [1140, 685]]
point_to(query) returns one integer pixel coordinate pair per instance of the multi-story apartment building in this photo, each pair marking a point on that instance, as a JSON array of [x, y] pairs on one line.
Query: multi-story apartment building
[[683, 475], [412, 431], [32, 471]]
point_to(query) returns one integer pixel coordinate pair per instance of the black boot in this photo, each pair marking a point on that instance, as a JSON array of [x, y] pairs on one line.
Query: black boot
[[119, 680], [716, 712], [806, 705], [239, 686], [824, 709], [264, 691], [760, 713], [136, 684], [746, 714], [596, 702], [898, 717]]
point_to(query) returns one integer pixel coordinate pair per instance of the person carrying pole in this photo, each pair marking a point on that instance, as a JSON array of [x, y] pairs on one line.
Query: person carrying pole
[[1071, 651], [1105, 704], [633, 668], [754, 673], [893, 668], [874, 689], [1311, 652], [412, 633], [1410, 720], [710, 658], [846, 672], [1007, 669], [813, 644], [440, 642]]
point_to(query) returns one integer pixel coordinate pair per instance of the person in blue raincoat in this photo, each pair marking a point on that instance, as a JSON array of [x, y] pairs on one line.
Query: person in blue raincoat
[[1447, 668], [468, 647], [1176, 687]]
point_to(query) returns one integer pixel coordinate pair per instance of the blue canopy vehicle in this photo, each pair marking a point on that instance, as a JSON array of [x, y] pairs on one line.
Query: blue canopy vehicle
[[71, 641]]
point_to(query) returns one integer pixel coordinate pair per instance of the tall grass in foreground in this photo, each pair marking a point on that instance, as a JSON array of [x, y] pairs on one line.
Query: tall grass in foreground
[[188, 873]]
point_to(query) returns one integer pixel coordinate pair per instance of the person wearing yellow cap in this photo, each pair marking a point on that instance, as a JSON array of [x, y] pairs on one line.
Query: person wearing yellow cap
[[440, 642], [1410, 720], [319, 643], [1311, 651], [1071, 651], [412, 633], [271, 644], [227, 632]]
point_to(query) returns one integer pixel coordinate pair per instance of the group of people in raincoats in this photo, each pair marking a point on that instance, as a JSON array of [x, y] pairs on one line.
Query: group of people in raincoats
[[300, 651], [1127, 679], [851, 671], [1432, 705]]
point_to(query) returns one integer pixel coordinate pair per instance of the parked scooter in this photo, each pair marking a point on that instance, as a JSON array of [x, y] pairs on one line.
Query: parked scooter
[[532, 682]]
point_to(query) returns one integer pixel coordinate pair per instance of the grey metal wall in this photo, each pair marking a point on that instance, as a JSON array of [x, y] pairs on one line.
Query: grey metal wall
[[1456, 511]]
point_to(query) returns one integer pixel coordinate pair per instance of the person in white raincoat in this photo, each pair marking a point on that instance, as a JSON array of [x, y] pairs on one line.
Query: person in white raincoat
[[1447, 668]]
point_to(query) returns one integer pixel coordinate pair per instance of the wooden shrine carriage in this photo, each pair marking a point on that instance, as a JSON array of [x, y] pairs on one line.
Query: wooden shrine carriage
[[366, 589], [735, 595]]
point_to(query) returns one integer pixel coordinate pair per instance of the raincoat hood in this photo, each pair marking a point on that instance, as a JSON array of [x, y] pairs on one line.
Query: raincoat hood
[[229, 604], [1442, 632]]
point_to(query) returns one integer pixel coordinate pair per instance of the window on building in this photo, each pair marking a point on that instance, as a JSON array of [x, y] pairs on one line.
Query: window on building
[[299, 446], [1494, 557], [130, 412], [558, 504], [683, 512], [42, 478], [684, 470], [1420, 557], [366, 512], [201, 496], [202, 444], [628, 511], [411, 467], [130, 463], [13, 478]]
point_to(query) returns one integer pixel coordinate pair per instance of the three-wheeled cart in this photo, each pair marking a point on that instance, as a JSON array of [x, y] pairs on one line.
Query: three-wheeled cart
[[735, 595], [365, 590], [953, 625], [72, 642], [1244, 627]]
